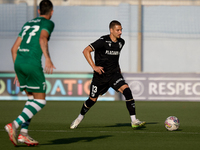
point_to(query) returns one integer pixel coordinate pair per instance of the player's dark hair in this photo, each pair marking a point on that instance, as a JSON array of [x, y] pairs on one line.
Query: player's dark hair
[[45, 7], [114, 23]]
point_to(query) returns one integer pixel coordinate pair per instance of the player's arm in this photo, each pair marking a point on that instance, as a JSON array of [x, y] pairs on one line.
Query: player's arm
[[15, 48], [87, 53], [44, 46], [14, 55]]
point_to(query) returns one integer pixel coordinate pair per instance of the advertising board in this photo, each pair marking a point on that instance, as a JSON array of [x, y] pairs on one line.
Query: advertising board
[[60, 87], [164, 86], [144, 87]]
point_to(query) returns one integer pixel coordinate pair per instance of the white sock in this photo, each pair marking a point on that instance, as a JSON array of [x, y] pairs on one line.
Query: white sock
[[24, 130], [133, 117], [80, 117], [29, 111], [30, 99], [16, 124]]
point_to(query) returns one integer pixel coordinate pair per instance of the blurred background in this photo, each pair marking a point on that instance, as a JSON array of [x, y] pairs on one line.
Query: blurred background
[[160, 59], [161, 35]]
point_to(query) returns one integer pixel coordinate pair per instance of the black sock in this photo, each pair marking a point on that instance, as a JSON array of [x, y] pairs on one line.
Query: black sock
[[130, 102], [86, 106], [131, 107]]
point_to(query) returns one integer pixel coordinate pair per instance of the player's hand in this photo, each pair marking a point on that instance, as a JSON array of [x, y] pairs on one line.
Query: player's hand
[[16, 81], [49, 66], [99, 69]]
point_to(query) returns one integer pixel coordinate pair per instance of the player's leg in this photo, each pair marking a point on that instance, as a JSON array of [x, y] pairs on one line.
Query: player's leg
[[119, 84], [130, 104], [28, 112], [95, 91], [86, 106], [32, 80], [37, 86], [11, 128], [24, 126], [34, 84]]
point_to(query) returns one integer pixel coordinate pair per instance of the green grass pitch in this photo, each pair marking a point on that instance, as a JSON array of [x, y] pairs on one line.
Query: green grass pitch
[[106, 126]]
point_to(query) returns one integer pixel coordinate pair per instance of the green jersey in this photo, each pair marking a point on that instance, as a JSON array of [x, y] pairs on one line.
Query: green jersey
[[30, 51]]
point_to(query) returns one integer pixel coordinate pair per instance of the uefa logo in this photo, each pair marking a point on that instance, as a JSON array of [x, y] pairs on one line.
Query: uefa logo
[[137, 88]]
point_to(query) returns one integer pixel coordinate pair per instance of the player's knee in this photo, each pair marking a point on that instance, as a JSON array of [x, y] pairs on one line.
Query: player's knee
[[128, 94], [89, 103], [93, 99]]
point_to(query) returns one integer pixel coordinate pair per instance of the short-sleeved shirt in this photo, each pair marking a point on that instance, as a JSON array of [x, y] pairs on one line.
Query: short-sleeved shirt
[[107, 53], [28, 66], [30, 51]]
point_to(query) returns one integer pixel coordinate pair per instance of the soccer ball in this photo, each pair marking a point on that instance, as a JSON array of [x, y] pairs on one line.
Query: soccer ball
[[172, 123]]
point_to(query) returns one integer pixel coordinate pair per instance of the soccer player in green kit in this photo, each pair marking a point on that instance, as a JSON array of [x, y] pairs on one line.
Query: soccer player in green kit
[[27, 51]]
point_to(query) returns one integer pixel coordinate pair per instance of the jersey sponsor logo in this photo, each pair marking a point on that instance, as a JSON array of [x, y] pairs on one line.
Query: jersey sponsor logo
[[24, 50], [108, 52]]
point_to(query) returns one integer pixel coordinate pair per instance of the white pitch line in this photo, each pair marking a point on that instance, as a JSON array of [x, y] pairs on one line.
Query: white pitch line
[[133, 131]]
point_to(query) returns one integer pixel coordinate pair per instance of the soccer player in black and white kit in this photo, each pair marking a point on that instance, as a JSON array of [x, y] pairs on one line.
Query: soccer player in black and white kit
[[107, 72]]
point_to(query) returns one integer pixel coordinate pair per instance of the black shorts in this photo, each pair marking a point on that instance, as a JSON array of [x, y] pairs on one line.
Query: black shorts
[[101, 83]]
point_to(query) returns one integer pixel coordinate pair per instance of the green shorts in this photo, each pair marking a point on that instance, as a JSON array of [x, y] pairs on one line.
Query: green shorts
[[30, 78]]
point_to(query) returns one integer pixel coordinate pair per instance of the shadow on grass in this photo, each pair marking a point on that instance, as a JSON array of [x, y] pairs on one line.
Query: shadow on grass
[[129, 124], [75, 139]]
